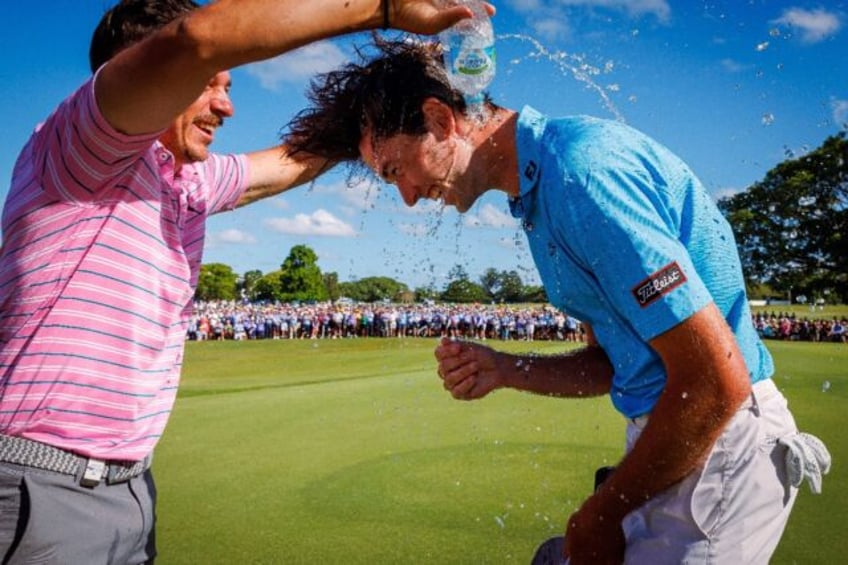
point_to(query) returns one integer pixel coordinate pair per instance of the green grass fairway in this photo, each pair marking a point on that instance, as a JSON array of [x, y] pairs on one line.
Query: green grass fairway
[[350, 452]]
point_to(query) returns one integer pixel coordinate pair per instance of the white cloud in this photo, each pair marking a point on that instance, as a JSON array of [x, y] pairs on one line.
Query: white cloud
[[231, 237], [490, 217], [734, 66], [840, 112], [298, 65], [319, 223], [814, 25], [360, 196], [551, 28]]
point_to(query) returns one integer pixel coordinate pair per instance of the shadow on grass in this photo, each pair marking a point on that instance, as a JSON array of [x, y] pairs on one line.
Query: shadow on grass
[[525, 488], [192, 392]]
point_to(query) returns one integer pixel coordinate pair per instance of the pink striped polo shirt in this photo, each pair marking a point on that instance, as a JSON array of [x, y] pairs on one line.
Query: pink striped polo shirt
[[102, 245]]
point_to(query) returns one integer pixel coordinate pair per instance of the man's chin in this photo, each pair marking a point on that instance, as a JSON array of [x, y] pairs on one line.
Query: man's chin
[[197, 156]]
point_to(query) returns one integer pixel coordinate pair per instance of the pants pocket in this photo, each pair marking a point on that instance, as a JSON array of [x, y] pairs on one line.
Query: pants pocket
[[13, 510]]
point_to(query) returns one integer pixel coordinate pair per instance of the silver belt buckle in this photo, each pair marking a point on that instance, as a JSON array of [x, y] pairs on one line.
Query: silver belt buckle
[[93, 473]]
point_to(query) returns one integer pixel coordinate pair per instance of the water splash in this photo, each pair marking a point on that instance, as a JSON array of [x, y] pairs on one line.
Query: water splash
[[575, 65]]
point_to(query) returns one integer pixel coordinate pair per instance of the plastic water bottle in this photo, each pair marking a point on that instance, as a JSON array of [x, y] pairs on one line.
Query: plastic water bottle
[[469, 53]]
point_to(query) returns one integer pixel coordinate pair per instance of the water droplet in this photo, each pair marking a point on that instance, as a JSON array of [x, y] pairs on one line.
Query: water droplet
[[767, 119], [762, 46]]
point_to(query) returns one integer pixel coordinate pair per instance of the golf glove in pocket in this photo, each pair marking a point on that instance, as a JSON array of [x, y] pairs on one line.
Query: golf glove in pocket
[[806, 458]]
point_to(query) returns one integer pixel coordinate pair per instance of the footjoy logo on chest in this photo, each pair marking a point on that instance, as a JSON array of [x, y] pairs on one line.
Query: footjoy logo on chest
[[662, 282]]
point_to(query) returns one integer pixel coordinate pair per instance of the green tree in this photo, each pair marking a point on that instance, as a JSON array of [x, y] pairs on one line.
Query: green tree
[[461, 289], [216, 281], [248, 281], [490, 281], [464, 290], [268, 288], [511, 288], [300, 276], [534, 294], [331, 283], [428, 292], [791, 227], [503, 286], [373, 289]]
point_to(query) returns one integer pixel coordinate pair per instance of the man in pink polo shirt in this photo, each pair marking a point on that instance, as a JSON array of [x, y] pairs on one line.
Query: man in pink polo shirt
[[103, 235]]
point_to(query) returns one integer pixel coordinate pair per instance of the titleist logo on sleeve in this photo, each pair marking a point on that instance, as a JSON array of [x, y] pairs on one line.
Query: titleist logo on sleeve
[[662, 282]]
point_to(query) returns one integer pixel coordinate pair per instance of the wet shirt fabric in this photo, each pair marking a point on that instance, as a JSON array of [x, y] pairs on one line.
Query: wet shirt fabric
[[626, 239], [102, 245]]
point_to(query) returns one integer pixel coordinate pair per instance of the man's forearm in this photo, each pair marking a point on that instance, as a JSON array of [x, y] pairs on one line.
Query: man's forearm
[[243, 31], [274, 171], [582, 373]]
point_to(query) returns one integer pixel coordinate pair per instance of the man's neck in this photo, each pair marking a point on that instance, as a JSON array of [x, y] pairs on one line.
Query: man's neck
[[494, 143]]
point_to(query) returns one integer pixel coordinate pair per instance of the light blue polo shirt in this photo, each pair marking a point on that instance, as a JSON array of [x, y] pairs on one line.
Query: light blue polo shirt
[[626, 239]]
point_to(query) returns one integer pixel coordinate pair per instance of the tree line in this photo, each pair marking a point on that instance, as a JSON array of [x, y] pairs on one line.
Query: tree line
[[300, 279], [790, 230]]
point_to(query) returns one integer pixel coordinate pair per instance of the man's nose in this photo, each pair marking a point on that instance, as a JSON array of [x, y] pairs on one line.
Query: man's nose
[[221, 105], [407, 192]]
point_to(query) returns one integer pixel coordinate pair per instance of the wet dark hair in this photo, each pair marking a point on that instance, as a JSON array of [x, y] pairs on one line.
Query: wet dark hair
[[130, 21], [384, 93]]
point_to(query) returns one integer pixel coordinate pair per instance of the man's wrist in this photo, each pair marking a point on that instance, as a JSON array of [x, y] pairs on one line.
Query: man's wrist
[[612, 503]]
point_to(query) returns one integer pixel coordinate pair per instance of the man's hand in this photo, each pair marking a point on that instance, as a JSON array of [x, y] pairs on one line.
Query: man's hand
[[428, 16], [593, 538], [468, 370]]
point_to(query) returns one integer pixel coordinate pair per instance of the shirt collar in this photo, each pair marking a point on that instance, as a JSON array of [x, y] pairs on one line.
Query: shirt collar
[[529, 131]]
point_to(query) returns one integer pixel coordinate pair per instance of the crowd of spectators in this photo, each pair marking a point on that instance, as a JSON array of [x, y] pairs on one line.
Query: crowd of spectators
[[787, 326], [238, 321]]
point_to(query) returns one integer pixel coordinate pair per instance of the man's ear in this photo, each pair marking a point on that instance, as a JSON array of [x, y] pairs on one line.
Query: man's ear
[[438, 117]]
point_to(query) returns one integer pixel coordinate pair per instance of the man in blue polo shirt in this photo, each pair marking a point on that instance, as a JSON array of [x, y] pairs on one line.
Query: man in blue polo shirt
[[626, 239]]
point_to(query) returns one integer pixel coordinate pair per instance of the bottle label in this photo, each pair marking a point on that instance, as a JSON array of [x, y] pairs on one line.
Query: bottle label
[[475, 61]]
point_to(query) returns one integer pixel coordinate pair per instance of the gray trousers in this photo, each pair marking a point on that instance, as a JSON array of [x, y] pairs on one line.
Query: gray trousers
[[48, 518]]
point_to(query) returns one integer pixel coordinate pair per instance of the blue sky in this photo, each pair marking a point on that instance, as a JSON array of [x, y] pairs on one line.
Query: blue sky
[[734, 87]]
